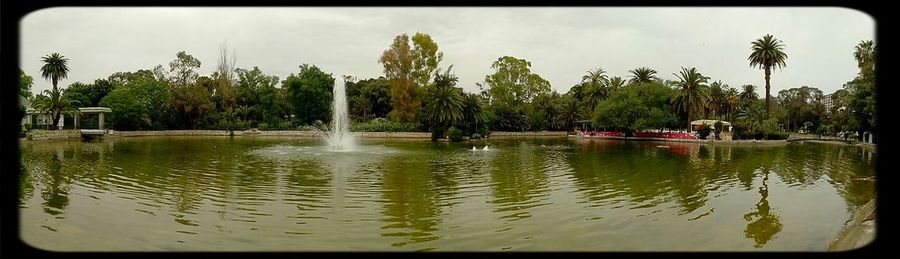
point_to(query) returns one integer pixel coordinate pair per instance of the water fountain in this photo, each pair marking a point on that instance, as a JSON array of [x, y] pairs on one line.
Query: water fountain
[[339, 137]]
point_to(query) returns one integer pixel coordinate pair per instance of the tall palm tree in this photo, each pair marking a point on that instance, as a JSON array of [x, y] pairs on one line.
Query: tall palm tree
[[55, 68], [865, 56], [691, 93], [444, 101], [749, 93], [594, 87], [768, 52], [642, 75], [615, 83]]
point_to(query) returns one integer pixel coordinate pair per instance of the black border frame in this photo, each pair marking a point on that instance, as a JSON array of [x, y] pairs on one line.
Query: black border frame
[[11, 12]]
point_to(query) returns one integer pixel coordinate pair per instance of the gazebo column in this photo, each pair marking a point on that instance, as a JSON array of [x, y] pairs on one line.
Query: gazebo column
[[101, 121]]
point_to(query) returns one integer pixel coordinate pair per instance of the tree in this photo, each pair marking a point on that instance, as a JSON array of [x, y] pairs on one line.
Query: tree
[[749, 93], [55, 68], [256, 89], [569, 112], [691, 94], [25, 83], [89, 95], [642, 75], [635, 108], [311, 93], [474, 116], [865, 56], [184, 69], [512, 83], [594, 87], [191, 103], [615, 83], [370, 98], [142, 103], [425, 58], [767, 53], [444, 102], [54, 103], [409, 71], [225, 94]]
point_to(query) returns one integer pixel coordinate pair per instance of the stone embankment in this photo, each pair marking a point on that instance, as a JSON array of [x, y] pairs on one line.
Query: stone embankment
[[64, 134]]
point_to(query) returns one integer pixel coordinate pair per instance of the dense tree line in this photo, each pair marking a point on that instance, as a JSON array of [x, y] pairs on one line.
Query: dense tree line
[[418, 93]]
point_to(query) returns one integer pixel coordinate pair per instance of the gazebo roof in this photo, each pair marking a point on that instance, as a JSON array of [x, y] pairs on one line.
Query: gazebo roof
[[94, 109], [709, 122]]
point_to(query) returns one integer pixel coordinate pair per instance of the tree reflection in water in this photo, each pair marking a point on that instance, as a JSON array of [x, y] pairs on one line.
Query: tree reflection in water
[[763, 223]]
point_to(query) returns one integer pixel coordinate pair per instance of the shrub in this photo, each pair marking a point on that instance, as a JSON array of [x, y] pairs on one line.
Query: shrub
[[385, 126], [704, 131], [718, 130], [436, 133], [455, 134]]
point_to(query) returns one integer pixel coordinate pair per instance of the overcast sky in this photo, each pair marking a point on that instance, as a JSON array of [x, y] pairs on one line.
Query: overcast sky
[[561, 43]]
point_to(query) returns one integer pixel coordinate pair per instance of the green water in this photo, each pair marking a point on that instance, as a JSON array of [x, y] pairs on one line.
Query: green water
[[291, 194]]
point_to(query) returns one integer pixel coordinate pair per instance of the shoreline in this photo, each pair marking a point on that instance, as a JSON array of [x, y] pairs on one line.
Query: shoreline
[[859, 231], [44, 135]]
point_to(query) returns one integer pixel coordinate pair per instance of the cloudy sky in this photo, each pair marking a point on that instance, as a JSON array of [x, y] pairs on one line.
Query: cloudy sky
[[561, 43]]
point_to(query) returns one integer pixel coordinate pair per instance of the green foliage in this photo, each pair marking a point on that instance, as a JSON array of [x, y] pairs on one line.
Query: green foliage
[[704, 131], [642, 75], [512, 83], [141, 104], [311, 94], [767, 53], [259, 91], [718, 129], [89, 95], [25, 83], [190, 104], [801, 104], [474, 116], [444, 101], [635, 108], [692, 94], [455, 134], [369, 99], [386, 126], [184, 69], [409, 70], [55, 68]]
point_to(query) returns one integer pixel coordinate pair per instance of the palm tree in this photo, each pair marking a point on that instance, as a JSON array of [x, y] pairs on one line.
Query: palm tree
[[732, 100], [54, 69], [615, 83], [691, 93], [642, 75], [473, 112], [865, 56], [568, 113], [594, 87], [54, 103], [768, 52], [444, 101], [749, 93], [752, 116]]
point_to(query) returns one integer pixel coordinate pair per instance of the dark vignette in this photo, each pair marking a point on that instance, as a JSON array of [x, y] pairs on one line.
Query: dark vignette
[[11, 246]]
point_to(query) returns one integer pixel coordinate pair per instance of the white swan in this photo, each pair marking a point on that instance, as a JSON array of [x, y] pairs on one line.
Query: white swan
[[473, 148], [485, 147]]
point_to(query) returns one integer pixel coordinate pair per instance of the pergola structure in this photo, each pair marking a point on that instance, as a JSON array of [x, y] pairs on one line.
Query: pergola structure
[[89, 128]]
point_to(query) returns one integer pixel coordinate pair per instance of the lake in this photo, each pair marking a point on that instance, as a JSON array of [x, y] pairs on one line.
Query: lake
[[293, 194]]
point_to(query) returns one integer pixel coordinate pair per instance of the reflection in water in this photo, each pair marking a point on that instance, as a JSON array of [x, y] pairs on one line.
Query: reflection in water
[[763, 223], [233, 194]]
